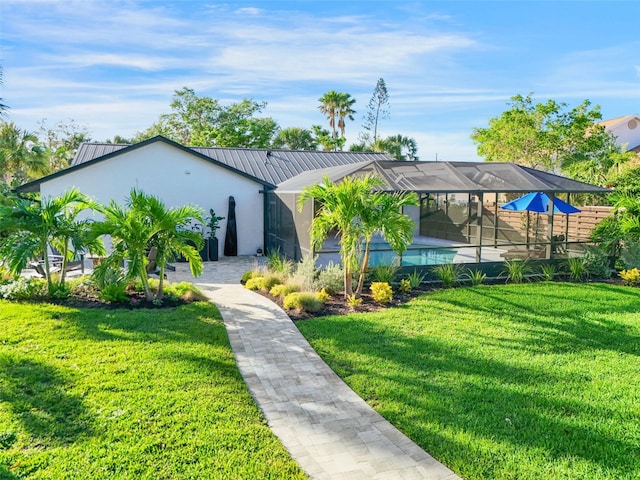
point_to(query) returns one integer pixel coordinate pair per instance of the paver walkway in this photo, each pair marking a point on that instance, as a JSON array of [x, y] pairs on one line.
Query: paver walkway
[[330, 431]]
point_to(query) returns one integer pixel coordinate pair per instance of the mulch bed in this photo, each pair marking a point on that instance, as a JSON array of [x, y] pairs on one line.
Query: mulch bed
[[337, 305]]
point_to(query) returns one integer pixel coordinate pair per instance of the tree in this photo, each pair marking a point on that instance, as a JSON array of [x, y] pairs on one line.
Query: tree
[[323, 137], [33, 226], [203, 121], [295, 138], [357, 211], [384, 215], [3, 107], [21, 156], [398, 146], [337, 106], [377, 109], [61, 142], [142, 224], [345, 111], [238, 127], [172, 236], [120, 139], [329, 103], [544, 135]]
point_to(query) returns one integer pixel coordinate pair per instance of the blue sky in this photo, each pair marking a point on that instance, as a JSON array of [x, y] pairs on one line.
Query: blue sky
[[113, 65]]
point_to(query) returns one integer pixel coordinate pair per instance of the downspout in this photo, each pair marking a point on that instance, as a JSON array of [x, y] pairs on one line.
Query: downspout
[[265, 219]]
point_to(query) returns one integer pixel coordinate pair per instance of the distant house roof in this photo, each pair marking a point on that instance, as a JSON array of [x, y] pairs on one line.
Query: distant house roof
[[269, 165], [613, 122], [450, 177]]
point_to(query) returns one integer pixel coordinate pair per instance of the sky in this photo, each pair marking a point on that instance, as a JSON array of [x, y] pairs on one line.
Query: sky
[[112, 66]]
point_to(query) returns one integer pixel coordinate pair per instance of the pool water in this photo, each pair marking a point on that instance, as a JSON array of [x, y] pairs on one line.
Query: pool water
[[414, 256]]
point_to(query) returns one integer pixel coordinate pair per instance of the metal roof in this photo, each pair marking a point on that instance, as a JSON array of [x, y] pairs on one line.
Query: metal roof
[[269, 165], [292, 170], [450, 177]]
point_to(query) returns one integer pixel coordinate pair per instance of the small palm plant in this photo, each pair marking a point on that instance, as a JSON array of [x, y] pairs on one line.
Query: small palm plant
[[516, 270], [448, 274]]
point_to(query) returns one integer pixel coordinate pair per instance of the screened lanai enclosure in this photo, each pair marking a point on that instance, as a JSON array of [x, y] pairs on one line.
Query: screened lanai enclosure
[[459, 219]]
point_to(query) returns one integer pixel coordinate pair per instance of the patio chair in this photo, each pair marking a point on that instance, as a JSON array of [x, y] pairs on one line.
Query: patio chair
[[152, 266]]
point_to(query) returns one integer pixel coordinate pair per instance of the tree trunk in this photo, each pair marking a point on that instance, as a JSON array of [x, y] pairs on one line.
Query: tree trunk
[[363, 268]]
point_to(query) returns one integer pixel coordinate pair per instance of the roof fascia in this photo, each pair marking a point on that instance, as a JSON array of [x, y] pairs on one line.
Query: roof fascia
[[29, 186]]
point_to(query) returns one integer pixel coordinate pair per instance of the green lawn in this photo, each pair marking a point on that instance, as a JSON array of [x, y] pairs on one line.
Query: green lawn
[[534, 381], [137, 394]]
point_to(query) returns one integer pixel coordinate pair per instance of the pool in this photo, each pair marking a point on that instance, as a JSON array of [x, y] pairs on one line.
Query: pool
[[414, 256]]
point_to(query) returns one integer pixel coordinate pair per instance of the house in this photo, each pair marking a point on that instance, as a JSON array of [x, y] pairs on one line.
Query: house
[[180, 175], [458, 219], [626, 129]]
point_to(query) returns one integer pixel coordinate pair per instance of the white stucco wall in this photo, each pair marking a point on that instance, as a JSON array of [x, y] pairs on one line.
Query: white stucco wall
[[177, 178]]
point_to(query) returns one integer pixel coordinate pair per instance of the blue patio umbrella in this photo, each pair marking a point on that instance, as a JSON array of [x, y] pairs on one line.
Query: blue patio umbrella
[[539, 202]]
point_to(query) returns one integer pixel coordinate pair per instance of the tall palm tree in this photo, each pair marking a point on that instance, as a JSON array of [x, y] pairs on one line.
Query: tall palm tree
[[330, 104], [21, 157], [32, 226], [345, 110]]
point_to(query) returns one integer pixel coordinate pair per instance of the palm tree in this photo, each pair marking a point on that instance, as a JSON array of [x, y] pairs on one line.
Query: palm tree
[[3, 107], [145, 223], [344, 110], [21, 157], [295, 138], [172, 236], [341, 208], [384, 215], [398, 146], [357, 210], [32, 226], [330, 104]]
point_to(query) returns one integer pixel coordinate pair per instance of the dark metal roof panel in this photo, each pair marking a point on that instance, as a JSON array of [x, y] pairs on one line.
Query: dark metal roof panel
[[272, 166], [451, 177], [89, 151]]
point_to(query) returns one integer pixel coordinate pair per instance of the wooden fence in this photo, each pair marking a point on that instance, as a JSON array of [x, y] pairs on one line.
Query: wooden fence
[[577, 227]]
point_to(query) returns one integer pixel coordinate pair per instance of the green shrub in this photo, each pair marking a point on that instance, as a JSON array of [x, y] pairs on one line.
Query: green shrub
[[283, 290], [271, 280], [60, 290], [255, 283], [353, 301], [305, 273], [384, 273], [548, 271], [415, 278], [516, 270], [475, 277], [405, 286], [277, 262], [323, 295], [331, 278], [381, 292], [305, 301], [24, 289], [448, 273], [114, 293], [576, 267], [246, 276], [631, 277], [185, 291], [596, 263]]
